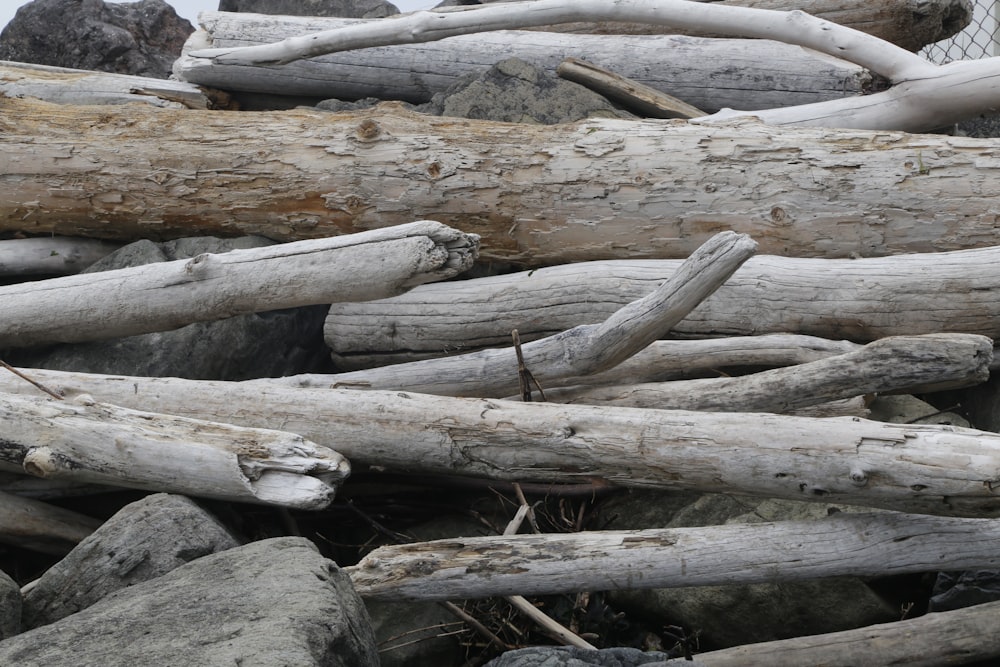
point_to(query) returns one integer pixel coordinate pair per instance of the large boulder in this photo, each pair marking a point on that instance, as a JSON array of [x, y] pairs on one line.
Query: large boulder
[[360, 9], [142, 38], [10, 606], [271, 603]]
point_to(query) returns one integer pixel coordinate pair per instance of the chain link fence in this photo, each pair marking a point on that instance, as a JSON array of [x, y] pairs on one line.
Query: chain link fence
[[978, 40]]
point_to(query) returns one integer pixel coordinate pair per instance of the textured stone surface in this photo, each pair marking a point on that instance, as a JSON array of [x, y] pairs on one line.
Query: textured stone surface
[[142, 38], [514, 91], [544, 656], [10, 607], [270, 344], [272, 603], [368, 9], [144, 540], [955, 590]]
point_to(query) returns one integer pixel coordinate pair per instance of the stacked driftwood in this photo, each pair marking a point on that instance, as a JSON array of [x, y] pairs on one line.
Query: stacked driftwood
[[874, 236]]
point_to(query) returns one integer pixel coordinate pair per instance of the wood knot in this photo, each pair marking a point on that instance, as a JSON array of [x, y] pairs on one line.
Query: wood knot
[[368, 130]]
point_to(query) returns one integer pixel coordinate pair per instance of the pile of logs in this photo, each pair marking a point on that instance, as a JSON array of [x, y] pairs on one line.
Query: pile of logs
[[637, 243]]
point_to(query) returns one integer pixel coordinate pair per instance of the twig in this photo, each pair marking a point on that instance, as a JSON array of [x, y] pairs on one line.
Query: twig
[[479, 627], [25, 377], [524, 377]]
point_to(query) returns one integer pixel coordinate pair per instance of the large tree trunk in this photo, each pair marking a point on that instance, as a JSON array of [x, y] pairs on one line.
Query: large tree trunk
[[595, 189], [856, 299], [860, 545], [710, 74], [915, 468], [167, 295]]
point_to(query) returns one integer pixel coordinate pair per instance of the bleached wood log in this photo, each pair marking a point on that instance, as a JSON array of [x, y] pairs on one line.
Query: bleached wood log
[[844, 544], [709, 74], [960, 637], [915, 468], [899, 364], [51, 255], [157, 297], [925, 96], [929, 293], [597, 189], [32, 524], [104, 444], [592, 348], [62, 85], [911, 24]]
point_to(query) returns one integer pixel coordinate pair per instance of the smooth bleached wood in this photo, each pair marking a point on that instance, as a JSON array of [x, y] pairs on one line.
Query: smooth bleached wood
[[51, 255], [708, 73], [953, 292], [899, 364], [597, 189], [915, 468], [167, 295], [105, 444], [859, 545], [31, 524]]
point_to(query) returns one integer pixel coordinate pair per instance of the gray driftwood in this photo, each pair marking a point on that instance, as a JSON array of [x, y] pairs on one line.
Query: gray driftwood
[[632, 95], [37, 526], [855, 299], [105, 444], [597, 189], [167, 295], [51, 255], [709, 74], [915, 468], [844, 544]]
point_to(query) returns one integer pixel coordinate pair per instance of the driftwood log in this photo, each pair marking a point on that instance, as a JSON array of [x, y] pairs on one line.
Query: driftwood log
[[855, 299], [708, 73], [915, 468], [105, 444], [597, 189], [166, 295], [911, 24], [51, 255], [32, 524], [844, 544]]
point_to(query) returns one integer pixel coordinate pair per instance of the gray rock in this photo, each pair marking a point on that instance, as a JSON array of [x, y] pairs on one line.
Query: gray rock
[[336, 105], [955, 590], [566, 656], [142, 38], [144, 540], [514, 91], [10, 607], [414, 633], [366, 9], [724, 616], [271, 344], [272, 603]]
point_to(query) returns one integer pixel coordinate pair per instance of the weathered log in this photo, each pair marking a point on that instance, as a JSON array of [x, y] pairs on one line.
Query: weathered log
[[162, 296], [844, 544], [597, 189], [709, 74], [929, 293], [50, 255], [32, 524], [915, 468], [105, 444], [630, 94], [62, 85], [911, 24], [900, 364], [959, 637]]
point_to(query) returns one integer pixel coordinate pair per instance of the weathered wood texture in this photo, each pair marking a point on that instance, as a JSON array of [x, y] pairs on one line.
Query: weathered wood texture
[[62, 85], [860, 545], [960, 637], [855, 299], [709, 74], [105, 444], [597, 189], [166, 295], [50, 255], [911, 24], [914, 468], [32, 524]]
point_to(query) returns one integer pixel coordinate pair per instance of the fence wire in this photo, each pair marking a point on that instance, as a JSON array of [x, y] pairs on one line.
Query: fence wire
[[978, 40]]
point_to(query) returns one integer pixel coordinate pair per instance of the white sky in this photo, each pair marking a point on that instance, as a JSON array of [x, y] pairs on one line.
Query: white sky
[[189, 8]]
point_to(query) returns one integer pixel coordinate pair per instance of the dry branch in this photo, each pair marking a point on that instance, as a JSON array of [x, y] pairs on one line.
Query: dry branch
[[844, 544], [914, 468], [104, 444], [596, 189], [162, 296], [857, 299]]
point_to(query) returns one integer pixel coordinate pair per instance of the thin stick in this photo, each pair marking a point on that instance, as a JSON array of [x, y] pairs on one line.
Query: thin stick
[[480, 628], [524, 377], [25, 377]]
